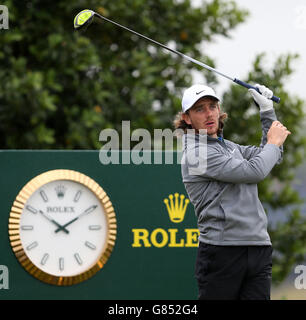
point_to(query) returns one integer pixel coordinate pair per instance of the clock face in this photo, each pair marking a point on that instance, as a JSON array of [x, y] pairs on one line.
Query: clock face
[[62, 230]]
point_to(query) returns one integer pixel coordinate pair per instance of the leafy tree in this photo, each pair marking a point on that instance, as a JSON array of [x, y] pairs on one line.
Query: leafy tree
[[59, 88]]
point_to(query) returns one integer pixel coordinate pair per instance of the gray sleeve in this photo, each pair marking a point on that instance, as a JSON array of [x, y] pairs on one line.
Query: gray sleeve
[[229, 169], [249, 152]]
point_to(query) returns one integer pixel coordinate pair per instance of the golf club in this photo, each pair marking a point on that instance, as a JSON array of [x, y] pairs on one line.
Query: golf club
[[85, 17]]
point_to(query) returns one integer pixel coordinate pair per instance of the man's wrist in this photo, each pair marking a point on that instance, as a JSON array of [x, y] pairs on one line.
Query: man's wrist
[[272, 142]]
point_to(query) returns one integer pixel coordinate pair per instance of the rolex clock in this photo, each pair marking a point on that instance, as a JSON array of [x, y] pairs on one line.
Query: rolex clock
[[62, 227]]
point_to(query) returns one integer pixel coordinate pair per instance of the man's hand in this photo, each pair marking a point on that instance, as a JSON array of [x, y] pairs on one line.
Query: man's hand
[[263, 100], [277, 134]]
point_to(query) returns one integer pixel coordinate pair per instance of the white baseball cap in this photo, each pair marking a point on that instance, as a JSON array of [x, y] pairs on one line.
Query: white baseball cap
[[194, 93]]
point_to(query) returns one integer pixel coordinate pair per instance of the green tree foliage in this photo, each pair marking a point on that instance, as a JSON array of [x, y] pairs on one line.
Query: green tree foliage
[[243, 126], [60, 88]]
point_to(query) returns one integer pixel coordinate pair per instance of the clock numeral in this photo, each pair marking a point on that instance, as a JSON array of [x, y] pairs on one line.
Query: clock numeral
[[32, 245], [61, 264], [43, 195], [27, 227], [31, 209], [77, 196], [90, 209], [78, 258], [94, 227], [90, 245], [44, 259]]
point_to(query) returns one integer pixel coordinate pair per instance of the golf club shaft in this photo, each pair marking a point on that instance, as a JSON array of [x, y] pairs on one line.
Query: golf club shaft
[[242, 83]]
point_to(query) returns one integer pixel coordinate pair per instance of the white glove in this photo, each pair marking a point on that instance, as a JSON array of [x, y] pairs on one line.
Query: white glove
[[263, 99]]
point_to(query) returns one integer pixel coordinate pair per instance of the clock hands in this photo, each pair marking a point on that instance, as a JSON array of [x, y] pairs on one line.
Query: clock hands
[[60, 227], [87, 211], [63, 227]]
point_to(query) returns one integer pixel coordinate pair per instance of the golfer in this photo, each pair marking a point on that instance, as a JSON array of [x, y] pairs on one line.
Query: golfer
[[234, 259]]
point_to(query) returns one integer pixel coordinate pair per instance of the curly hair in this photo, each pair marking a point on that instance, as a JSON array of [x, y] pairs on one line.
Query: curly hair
[[179, 123]]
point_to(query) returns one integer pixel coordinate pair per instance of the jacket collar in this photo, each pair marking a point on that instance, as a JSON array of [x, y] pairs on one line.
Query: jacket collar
[[196, 137]]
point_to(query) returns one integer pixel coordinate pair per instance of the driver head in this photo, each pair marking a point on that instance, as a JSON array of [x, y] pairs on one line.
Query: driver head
[[83, 18]]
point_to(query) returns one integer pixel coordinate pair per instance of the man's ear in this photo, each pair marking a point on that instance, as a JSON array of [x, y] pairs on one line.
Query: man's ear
[[186, 118]]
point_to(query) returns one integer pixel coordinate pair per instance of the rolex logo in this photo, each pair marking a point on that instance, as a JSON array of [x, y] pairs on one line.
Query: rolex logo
[[173, 237], [176, 207], [60, 191]]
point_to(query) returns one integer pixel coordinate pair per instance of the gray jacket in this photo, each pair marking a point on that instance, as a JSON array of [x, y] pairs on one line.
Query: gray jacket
[[225, 195]]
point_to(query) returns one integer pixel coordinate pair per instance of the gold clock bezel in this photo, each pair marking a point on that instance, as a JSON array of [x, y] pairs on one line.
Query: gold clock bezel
[[17, 209]]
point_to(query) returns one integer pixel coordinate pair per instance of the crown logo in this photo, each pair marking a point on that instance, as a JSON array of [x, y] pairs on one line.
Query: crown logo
[[60, 191], [176, 207]]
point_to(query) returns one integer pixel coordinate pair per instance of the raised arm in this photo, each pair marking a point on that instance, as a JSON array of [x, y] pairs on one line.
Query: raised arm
[[226, 168], [267, 116]]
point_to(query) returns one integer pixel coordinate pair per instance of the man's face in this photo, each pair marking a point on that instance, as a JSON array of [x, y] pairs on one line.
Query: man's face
[[204, 114]]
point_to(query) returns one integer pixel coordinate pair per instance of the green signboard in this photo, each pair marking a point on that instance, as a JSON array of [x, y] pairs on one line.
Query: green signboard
[[154, 252]]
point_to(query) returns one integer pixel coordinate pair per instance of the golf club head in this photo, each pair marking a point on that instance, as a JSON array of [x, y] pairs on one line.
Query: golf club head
[[83, 18]]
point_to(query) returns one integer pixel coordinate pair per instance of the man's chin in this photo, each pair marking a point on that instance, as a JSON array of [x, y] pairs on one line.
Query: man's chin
[[211, 131]]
